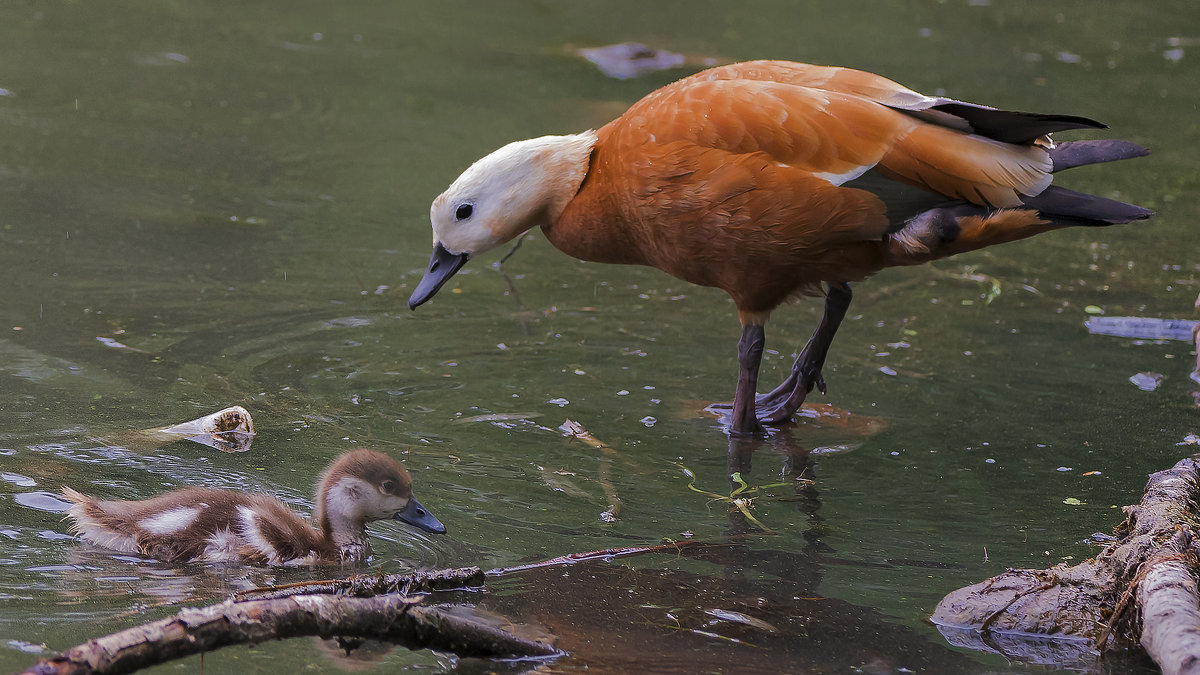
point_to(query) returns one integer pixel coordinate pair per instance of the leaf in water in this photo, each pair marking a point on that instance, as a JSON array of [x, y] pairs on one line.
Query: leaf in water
[[1093, 309], [109, 342], [692, 484], [743, 505], [742, 486], [738, 617], [1071, 501]]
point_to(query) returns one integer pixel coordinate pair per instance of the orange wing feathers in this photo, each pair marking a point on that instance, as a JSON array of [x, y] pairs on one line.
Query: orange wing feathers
[[744, 177], [836, 133]]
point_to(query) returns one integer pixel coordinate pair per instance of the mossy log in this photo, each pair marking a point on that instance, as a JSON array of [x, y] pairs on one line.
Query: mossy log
[[1140, 589]]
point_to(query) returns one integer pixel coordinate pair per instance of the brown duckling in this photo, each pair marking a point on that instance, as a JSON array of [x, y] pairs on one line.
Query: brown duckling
[[209, 525]]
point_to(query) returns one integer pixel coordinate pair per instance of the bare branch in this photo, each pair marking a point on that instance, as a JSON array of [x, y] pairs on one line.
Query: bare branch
[[391, 617]]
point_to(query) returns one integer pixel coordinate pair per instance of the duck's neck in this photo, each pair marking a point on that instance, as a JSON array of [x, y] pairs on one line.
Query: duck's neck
[[593, 226], [343, 527]]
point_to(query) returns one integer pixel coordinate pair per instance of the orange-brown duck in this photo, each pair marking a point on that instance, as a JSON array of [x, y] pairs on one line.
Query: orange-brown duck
[[768, 179]]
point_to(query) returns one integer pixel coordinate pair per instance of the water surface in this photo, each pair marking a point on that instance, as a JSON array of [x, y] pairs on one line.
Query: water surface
[[215, 204]]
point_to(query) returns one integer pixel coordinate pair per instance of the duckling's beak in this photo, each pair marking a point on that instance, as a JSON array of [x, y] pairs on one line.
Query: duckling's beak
[[442, 265], [414, 514]]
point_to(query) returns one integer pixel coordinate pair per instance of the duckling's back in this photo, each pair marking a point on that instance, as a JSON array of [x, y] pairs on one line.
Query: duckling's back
[[197, 524]]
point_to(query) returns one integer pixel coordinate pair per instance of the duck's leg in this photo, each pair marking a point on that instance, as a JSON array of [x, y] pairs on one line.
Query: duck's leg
[[783, 402], [750, 348]]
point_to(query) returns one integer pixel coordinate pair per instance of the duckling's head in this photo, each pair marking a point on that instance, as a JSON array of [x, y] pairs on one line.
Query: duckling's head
[[522, 185], [365, 485]]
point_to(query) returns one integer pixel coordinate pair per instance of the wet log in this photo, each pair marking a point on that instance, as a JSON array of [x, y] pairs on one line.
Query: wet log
[[1140, 589], [391, 617], [425, 581]]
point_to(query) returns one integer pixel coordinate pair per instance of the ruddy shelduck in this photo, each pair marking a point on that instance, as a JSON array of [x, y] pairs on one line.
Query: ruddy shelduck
[[208, 525], [768, 178]]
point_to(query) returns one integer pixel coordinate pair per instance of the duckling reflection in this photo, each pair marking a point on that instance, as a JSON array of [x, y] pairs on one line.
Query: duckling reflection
[[204, 524]]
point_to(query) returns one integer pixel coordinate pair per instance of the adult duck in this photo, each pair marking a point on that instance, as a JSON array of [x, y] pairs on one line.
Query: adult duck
[[768, 179], [204, 524]]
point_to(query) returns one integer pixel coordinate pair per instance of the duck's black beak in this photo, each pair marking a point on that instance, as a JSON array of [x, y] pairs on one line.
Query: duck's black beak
[[442, 266], [414, 514]]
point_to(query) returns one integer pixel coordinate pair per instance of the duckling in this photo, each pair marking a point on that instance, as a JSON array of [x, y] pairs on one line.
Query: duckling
[[208, 525]]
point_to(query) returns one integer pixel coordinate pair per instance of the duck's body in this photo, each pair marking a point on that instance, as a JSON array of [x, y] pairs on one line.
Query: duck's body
[[203, 524], [768, 178]]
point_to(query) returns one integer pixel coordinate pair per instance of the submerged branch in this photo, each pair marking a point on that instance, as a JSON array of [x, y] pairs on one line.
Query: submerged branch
[[374, 607], [572, 558], [575, 430], [367, 586], [393, 618]]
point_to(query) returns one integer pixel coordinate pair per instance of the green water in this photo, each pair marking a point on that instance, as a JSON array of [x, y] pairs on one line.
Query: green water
[[235, 196]]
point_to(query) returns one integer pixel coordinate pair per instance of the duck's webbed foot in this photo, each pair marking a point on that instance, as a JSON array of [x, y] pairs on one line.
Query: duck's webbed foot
[[749, 410], [780, 404]]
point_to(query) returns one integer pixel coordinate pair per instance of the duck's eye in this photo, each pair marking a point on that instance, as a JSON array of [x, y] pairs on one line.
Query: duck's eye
[[388, 486], [464, 211]]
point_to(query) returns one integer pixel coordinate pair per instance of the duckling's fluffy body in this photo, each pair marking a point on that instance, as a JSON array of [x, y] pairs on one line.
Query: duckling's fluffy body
[[204, 524]]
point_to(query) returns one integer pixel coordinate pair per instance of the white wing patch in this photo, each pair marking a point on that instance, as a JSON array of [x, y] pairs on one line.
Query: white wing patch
[[253, 535], [838, 179], [171, 521]]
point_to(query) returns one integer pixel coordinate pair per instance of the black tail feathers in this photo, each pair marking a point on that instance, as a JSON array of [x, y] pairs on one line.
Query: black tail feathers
[[1079, 153], [1011, 126], [1068, 207]]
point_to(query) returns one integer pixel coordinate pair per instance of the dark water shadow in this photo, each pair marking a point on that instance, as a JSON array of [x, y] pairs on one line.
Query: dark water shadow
[[741, 605]]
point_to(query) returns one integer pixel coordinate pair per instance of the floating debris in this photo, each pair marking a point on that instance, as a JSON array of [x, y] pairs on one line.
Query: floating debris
[[631, 59], [1147, 381], [1141, 328], [161, 59], [109, 342], [228, 430], [21, 645], [498, 417], [738, 617]]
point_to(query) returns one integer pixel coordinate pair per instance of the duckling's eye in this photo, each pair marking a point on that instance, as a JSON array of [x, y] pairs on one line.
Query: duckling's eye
[[464, 211], [388, 486]]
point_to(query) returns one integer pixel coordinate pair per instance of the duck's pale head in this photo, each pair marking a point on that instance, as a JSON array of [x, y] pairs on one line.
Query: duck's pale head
[[522, 185]]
